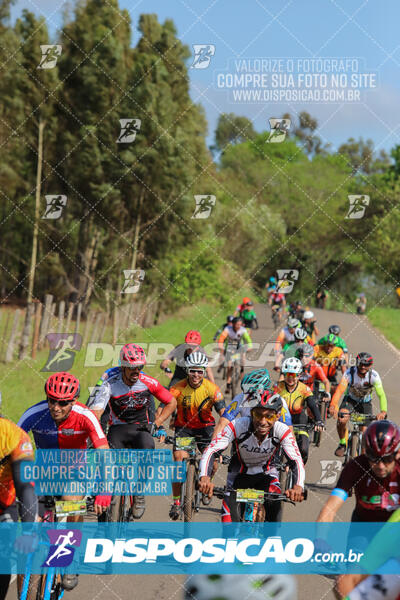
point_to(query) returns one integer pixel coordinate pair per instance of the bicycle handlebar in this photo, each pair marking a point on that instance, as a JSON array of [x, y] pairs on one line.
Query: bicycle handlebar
[[220, 492]]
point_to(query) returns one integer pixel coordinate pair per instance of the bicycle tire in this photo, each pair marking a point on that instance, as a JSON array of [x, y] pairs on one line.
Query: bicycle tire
[[188, 500], [116, 508], [355, 439], [35, 587], [317, 434], [235, 377]]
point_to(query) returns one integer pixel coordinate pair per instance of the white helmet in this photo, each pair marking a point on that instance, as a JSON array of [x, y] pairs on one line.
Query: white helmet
[[300, 333], [292, 365], [293, 322], [196, 359], [240, 587], [308, 314]]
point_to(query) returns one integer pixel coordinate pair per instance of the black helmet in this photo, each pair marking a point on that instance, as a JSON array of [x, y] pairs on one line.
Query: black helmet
[[236, 320], [364, 358], [335, 329], [304, 350], [229, 318]]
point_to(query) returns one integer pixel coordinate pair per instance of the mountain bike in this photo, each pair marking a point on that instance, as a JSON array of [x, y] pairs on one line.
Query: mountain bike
[[190, 495], [285, 473], [49, 585], [355, 440], [323, 404], [276, 315]]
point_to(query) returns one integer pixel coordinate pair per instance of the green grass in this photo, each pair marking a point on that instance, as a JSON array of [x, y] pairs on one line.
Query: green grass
[[387, 320], [22, 382]]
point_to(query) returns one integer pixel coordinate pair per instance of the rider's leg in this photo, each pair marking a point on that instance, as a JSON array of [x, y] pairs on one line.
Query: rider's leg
[[341, 426]]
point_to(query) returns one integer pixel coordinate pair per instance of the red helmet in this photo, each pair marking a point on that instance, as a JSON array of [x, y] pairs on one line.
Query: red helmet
[[62, 386], [382, 438], [364, 358], [132, 355], [193, 337], [246, 300]]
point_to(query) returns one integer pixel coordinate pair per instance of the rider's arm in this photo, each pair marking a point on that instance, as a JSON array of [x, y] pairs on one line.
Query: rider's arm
[[247, 339], [25, 493], [99, 397], [331, 506], [279, 342], [164, 396], [94, 430], [320, 374], [312, 405], [222, 339], [340, 390], [290, 448], [380, 392], [219, 443]]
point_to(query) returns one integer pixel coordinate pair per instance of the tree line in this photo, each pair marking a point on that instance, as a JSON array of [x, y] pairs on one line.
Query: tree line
[[132, 206]]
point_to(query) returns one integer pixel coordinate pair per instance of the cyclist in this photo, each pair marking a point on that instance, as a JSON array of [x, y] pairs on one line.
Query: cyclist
[[15, 447], [195, 398], [335, 329], [330, 357], [374, 476], [320, 298], [277, 302], [312, 371], [357, 384], [128, 393], [62, 422], [257, 442], [254, 383], [228, 321], [285, 335], [361, 304], [310, 325], [301, 337], [179, 354], [249, 316], [231, 341], [241, 307], [298, 397], [296, 310], [271, 284]]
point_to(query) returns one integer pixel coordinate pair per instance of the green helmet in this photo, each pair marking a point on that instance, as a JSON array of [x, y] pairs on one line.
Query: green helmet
[[328, 339], [258, 380]]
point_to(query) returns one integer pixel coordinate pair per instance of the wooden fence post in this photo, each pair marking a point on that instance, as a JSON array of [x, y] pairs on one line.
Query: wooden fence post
[[69, 316], [11, 341], [115, 325], [93, 337], [23, 349], [86, 330], [44, 324], [35, 338], [78, 317], [103, 328], [61, 312], [5, 334]]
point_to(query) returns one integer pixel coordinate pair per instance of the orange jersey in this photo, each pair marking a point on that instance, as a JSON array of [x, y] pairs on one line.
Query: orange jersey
[[328, 362], [15, 445], [194, 406]]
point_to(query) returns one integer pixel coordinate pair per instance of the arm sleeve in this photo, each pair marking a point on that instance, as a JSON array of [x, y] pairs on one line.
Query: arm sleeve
[[312, 405], [162, 394], [25, 494], [340, 390], [380, 392], [222, 338], [100, 396], [25, 422], [279, 341], [320, 373], [246, 337], [221, 442], [94, 429], [291, 449], [349, 476]]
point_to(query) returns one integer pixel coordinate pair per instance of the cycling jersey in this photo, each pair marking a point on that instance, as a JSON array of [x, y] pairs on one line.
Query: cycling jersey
[[231, 337], [255, 457], [15, 445], [73, 433], [311, 372], [235, 410], [194, 406], [128, 404], [283, 338], [309, 327], [295, 399], [376, 498], [359, 389], [329, 362], [248, 315], [290, 348], [277, 298]]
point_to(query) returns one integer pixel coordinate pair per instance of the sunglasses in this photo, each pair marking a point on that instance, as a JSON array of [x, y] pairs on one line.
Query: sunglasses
[[260, 415], [385, 459], [61, 403], [196, 371]]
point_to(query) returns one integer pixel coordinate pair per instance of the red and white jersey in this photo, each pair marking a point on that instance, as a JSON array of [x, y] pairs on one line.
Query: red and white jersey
[[254, 456]]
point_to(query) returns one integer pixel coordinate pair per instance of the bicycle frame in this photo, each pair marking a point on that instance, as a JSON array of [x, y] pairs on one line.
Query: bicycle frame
[[354, 442]]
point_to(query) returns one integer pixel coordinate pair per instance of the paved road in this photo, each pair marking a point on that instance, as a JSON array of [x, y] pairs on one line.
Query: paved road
[[360, 336]]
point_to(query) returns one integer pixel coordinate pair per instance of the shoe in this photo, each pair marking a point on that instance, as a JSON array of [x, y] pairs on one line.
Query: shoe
[[206, 499], [69, 581], [175, 512], [139, 506], [340, 450]]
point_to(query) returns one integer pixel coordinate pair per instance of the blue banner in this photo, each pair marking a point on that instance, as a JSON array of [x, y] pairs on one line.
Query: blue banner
[[148, 548], [93, 472]]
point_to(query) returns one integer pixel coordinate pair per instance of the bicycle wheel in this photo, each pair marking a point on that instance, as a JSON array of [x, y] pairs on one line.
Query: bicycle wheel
[[116, 509], [235, 378], [355, 440], [188, 500], [35, 586]]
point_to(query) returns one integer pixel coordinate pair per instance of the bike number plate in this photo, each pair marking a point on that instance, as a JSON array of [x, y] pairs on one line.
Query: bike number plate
[[250, 495], [185, 443], [64, 508], [358, 418]]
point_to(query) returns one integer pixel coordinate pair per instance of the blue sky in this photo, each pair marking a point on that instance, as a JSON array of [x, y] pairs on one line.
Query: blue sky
[[294, 29]]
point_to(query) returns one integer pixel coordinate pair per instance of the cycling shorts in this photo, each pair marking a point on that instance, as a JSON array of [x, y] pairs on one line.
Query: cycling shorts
[[358, 406], [202, 435]]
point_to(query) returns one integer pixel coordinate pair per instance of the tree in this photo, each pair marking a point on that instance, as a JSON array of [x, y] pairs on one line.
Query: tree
[[232, 129]]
